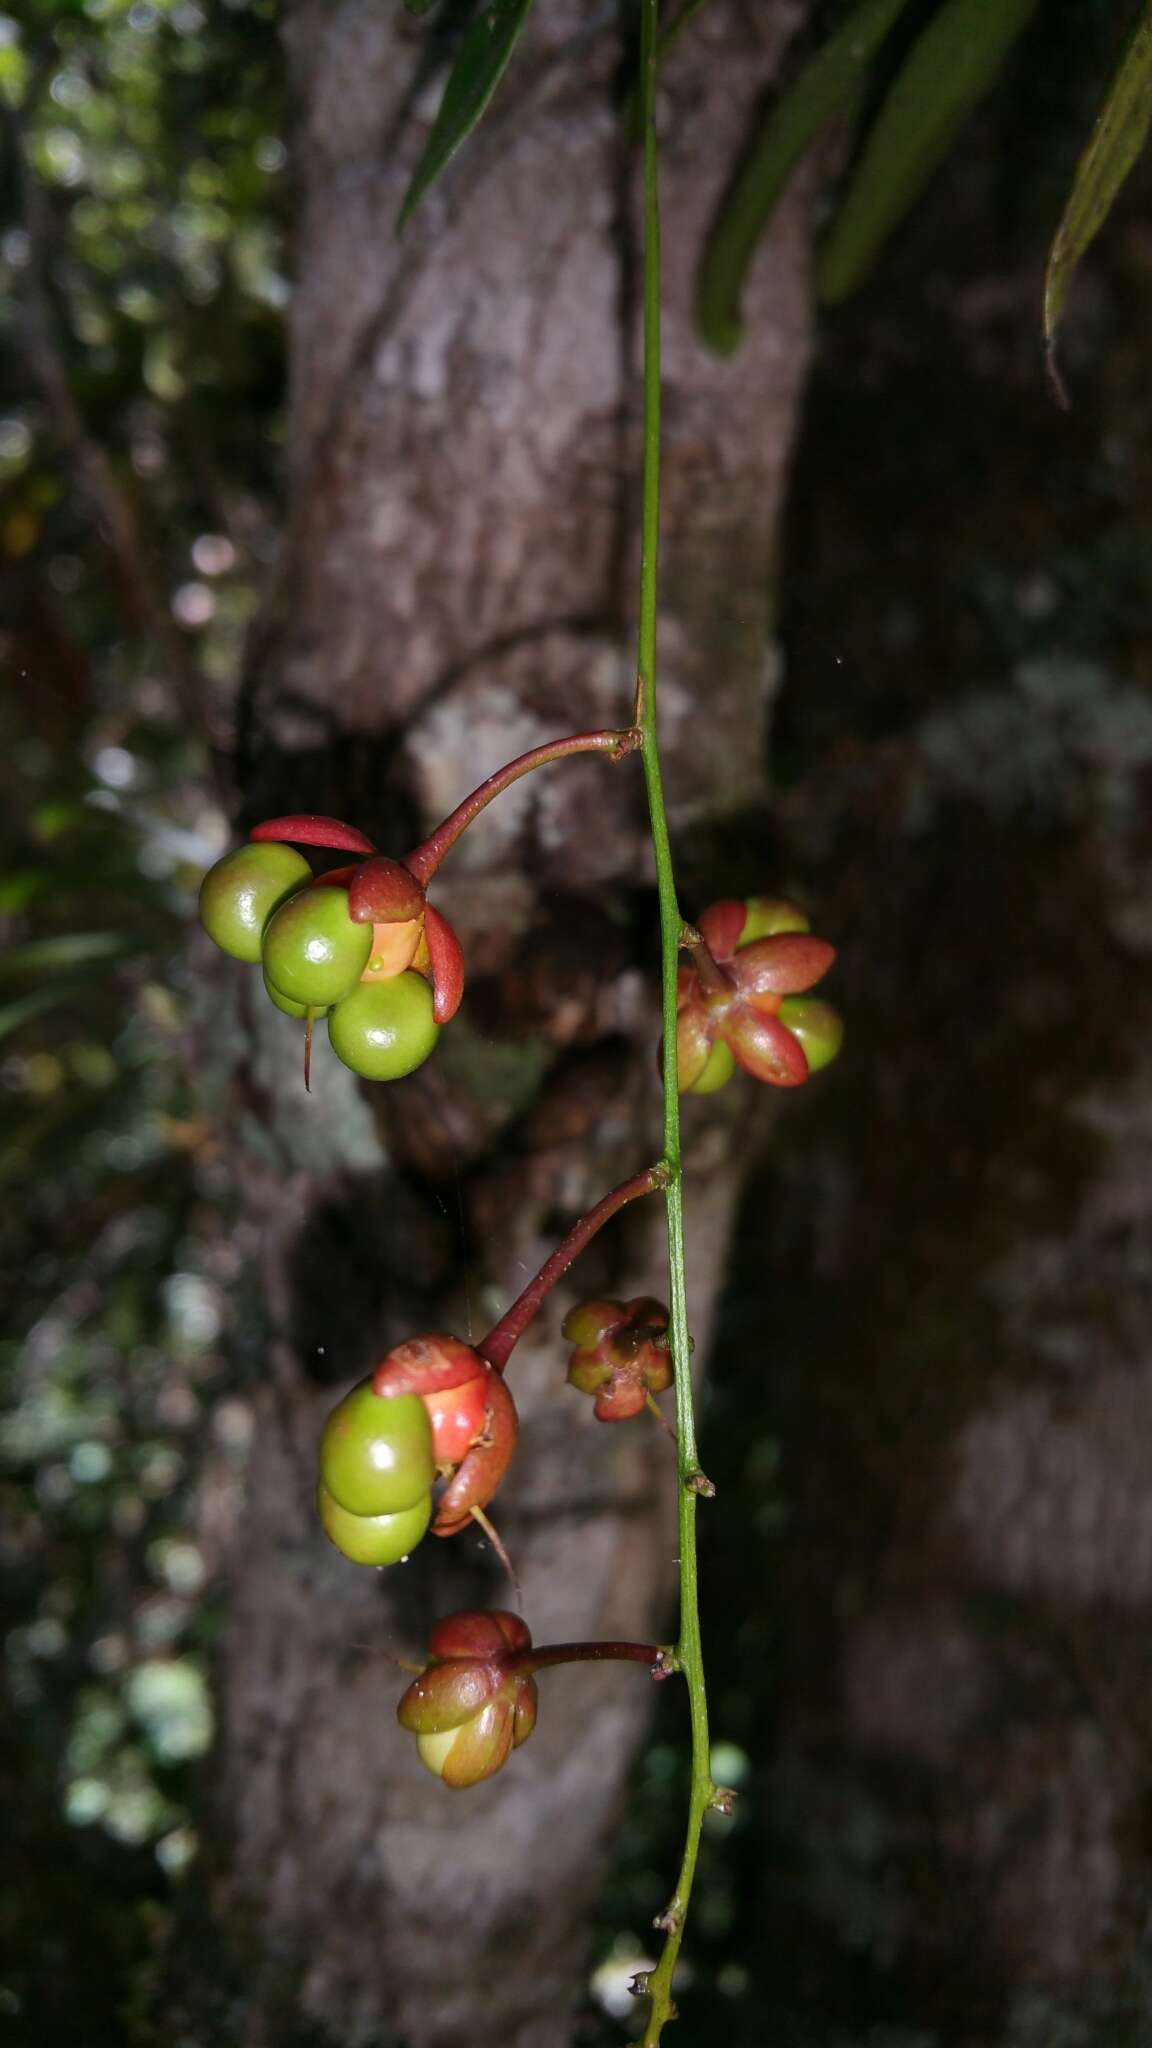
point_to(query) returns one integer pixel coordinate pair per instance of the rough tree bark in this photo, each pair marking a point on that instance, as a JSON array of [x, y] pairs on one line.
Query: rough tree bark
[[959, 1223], [457, 585]]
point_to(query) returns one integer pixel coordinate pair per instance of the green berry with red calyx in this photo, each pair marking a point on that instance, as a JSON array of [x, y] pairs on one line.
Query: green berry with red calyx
[[384, 1030], [715, 1074], [817, 1025], [286, 1003], [374, 1539], [768, 915], [313, 952], [730, 924], [240, 894], [474, 1702], [376, 1454]]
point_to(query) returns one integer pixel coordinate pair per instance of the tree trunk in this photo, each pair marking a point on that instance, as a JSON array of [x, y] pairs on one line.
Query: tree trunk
[[957, 1798], [457, 585]]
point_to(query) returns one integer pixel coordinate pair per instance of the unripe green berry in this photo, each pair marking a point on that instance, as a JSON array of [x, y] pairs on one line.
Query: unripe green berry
[[373, 1539], [385, 1029], [376, 1452], [716, 1073], [290, 1008], [239, 895], [312, 951], [817, 1025], [768, 915]]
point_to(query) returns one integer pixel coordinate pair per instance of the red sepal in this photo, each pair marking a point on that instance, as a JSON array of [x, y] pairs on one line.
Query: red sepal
[[476, 1480], [383, 892], [426, 1365], [784, 965], [720, 927], [307, 828], [446, 961], [488, 1632], [765, 1048]]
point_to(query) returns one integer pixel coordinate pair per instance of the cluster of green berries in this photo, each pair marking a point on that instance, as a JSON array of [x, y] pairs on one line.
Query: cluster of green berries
[[358, 946], [743, 1001]]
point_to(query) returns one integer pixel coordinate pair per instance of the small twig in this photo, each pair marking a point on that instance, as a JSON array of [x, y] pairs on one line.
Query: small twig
[[479, 1517]]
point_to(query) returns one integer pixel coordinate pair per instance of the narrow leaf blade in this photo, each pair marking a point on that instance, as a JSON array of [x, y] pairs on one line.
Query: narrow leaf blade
[[947, 72], [823, 89], [479, 67], [1117, 140]]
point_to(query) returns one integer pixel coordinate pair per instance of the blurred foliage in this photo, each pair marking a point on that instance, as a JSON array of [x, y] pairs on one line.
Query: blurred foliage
[[140, 216], [153, 134]]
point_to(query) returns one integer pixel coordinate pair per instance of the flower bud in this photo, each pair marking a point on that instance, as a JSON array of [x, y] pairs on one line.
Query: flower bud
[[621, 1354]]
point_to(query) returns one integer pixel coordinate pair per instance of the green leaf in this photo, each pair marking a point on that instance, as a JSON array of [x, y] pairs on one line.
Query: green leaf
[[479, 67], [64, 949], [22, 1008], [1117, 139], [947, 71], [823, 89]]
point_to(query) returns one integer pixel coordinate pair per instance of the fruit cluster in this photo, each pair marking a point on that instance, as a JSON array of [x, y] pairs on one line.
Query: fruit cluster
[[475, 1700], [742, 1001], [474, 1703], [422, 1444], [359, 945]]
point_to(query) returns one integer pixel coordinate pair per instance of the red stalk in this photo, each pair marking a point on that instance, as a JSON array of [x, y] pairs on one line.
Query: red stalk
[[426, 858], [498, 1345]]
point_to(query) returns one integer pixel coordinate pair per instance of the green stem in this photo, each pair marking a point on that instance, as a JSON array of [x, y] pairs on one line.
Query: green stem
[[688, 1649]]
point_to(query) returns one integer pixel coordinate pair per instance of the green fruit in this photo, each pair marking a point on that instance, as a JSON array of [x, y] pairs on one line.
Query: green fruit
[[238, 895], [716, 1072], [286, 1003], [376, 1452], [385, 1029], [768, 915], [373, 1539], [313, 953], [817, 1025]]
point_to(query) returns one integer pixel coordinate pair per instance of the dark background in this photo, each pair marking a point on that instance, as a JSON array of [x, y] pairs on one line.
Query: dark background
[[928, 1571]]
